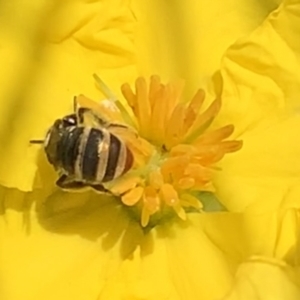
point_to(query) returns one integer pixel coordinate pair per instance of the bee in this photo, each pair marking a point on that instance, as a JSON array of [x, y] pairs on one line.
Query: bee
[[84, 150]]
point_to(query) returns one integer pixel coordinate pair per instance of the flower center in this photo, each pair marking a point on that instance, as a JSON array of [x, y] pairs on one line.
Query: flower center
[[174, 149]]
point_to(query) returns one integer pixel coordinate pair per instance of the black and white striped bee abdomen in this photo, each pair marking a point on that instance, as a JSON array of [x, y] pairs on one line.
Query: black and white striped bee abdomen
[[92, 155], [68, 148]]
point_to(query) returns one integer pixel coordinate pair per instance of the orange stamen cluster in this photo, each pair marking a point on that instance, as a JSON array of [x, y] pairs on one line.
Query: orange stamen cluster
[[176, 152]]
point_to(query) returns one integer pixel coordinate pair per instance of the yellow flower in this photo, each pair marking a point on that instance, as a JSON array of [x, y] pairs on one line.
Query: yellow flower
[[173, 149], [59, 245]]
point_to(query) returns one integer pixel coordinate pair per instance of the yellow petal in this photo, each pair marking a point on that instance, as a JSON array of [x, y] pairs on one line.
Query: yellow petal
[[62, 47], [261, 97], [264, 170], [71, 236], [189, 263], [66, 239], [190, 253], [257, 82], [164, 47], [263, 278], [274, 234]]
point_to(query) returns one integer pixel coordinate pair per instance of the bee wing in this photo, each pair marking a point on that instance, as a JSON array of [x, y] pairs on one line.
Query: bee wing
[[105, 109], [88, 118]]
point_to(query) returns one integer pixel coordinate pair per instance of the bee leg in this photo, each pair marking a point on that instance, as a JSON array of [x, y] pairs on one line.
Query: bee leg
[[119, 128], [100, 188], [75, 105], [112, 125], [66, 182], [80, 114]]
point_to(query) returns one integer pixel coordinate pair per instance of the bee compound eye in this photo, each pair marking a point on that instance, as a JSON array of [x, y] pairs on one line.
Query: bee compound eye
[[69, 120]]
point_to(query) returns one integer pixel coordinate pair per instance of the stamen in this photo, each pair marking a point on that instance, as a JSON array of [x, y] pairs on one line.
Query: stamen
[[154, 89], [172, 169], [203, 121], [169, 195], [155, 179], [151, 200], [215, 136], [190, 201], [143, 110], [180, 212], [193, 109], [158, 116], [186, 183], [174, 154], [175, 126], [124, 184], [129, 96], [145, 217], [231, 146], [183, 149], [133, 196], [198, 172]]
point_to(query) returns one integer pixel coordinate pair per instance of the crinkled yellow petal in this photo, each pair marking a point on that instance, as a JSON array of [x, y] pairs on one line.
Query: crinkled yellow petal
[[50, 52], [288, 237], [262, 173], [264, 278], [257, 81], [91, 243], [174, 262], [261, 88], [274, 234], [67, 249], [209, 249], [165, 48]]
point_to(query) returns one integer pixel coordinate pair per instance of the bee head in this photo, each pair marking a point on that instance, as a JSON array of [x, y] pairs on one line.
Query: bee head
[[55, 134]]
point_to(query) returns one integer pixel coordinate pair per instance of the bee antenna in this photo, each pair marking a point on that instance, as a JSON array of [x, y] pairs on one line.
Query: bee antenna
[[36, 142], [75, 105]]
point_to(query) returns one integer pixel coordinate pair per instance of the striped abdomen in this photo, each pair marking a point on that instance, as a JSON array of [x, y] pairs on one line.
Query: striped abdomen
[[93, 155]]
